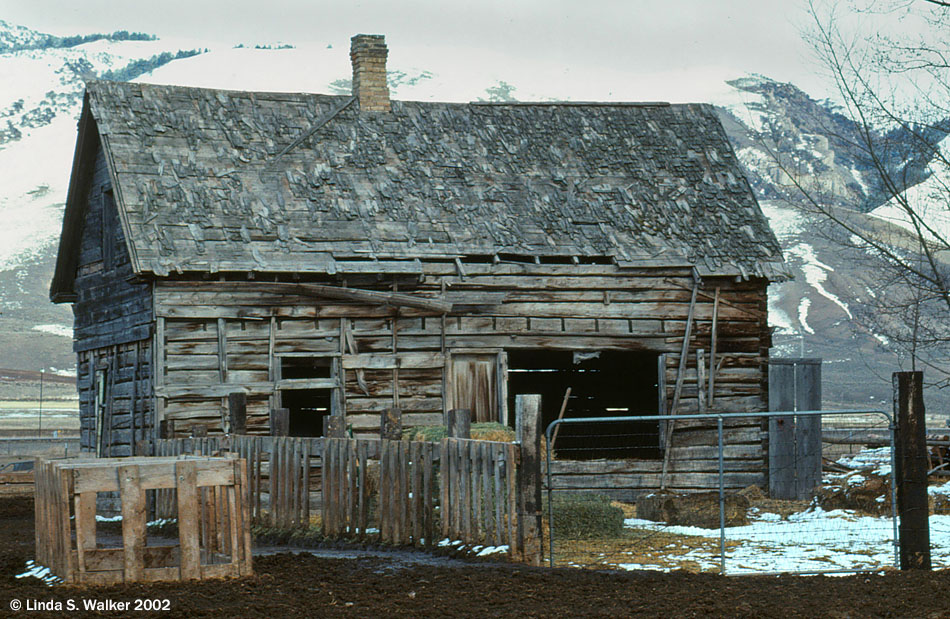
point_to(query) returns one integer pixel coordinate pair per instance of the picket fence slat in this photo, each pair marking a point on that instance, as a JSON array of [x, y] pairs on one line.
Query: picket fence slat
[[411, 493]]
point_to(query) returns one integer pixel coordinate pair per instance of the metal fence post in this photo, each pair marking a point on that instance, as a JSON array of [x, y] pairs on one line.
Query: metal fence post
[[722, 503]]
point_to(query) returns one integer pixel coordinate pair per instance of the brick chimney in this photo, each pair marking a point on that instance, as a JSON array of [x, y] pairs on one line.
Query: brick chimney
[[368, 54]]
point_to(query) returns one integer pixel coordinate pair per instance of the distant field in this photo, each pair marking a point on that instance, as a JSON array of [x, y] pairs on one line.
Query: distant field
[[25, 415]]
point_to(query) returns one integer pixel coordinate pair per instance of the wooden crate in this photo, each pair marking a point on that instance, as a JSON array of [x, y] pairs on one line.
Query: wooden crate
[[16, 483], [213, 521]]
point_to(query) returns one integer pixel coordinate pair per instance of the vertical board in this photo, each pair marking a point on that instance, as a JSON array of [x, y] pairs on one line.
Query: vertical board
[[782, 432], [808, 428], [473, 384], [133, 521]]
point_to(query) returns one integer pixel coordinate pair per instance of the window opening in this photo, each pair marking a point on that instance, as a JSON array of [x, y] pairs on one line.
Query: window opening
[[307, 407], [603, 384]]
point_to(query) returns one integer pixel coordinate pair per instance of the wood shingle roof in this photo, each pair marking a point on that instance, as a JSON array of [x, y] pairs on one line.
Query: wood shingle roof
[[204, 181]]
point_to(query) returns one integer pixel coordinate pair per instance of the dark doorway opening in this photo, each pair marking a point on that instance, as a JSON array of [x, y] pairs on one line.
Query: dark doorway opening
[[603, 384], [307, 407]]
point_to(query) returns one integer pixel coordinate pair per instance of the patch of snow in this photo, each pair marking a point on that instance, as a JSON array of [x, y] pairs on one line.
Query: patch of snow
[[61, 330], [944, 489], [816, 273], [803, 306], [785, 221], [34, 570], [867, 458], [492, 550], [813, 540], [32, 196], [928, 200], [855, 480], [108, 518], [856, 174]]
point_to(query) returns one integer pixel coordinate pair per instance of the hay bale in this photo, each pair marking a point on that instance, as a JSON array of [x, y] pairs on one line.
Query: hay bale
[[486, 431], [585, 516], [699, 509]]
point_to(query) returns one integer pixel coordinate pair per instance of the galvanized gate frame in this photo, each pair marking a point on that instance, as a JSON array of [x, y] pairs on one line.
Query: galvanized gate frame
[[720, 417]]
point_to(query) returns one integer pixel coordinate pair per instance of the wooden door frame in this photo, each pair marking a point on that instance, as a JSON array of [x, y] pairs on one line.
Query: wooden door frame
[[500, 377]]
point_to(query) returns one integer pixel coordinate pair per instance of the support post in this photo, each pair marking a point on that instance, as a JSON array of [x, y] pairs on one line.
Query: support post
[[333, 427], [912, 505], [390, 426], [237, 412], [280, 422], [460, 423], [528, 409], [782, 431]]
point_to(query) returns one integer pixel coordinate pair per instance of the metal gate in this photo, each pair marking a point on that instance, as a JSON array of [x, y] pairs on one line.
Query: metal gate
[[809, 536]]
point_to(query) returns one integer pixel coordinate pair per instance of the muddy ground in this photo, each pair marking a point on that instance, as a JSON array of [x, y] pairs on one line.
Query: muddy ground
[[301, 585]]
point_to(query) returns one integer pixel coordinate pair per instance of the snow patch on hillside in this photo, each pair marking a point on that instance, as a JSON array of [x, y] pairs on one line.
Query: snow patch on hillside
[[34, 176], [786, 222], [816, 273], [930, 201], [803, 306], [60, 330]]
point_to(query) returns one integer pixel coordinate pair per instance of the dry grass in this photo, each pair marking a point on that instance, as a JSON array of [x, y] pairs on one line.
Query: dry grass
[[648, 548]]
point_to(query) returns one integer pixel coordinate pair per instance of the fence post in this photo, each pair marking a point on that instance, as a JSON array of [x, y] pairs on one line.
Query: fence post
[[280, 422], [911, 471], [390, 426], [333, 426], [528, 411], [781, 431], [460, 423], [237, 412], [807, 428]]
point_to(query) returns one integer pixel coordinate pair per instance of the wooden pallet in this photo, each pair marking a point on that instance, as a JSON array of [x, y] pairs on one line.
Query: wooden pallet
[[213, 519]]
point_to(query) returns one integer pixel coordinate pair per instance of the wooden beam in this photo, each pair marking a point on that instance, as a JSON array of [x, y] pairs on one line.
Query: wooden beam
[[375, 297], [560, 416], [680, 376], [712, 352]]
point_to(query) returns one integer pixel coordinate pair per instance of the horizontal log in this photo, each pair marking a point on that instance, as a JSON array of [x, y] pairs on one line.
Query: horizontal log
[[376, 405], [651, 481], [101, 476], [624, 467], [308, 383], [417, 360], [361, 422]]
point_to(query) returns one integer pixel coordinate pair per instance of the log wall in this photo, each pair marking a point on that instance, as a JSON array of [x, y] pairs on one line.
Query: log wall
[[112, 329], [218, 336]]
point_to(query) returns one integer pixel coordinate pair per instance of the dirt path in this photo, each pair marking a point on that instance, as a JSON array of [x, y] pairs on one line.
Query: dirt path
[[303, 585]]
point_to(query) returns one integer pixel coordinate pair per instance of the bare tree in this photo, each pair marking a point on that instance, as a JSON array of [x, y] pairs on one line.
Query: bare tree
[[890, 62]]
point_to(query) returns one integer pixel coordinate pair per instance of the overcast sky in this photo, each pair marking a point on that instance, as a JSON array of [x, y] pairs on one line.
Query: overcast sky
[[684, 37]]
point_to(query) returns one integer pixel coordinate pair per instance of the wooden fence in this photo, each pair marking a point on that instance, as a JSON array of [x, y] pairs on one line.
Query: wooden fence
[[479, 492], [392, 491], [278, 471], [380, 486]]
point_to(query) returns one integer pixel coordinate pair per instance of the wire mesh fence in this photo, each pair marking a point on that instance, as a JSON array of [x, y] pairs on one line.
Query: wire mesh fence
[[791, 492]]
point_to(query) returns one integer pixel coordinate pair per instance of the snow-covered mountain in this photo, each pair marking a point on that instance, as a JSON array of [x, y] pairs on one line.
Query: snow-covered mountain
[[39, 107]]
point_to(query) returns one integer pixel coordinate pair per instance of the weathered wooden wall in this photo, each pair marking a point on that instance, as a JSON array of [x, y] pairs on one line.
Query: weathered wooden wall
[[112, 321], [220, 336]]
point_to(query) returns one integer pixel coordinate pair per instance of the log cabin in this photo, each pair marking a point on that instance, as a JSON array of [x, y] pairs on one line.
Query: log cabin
[[341, 255]]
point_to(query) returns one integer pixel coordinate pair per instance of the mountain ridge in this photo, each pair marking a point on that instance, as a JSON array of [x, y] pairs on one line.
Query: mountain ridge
[[814, 314]]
